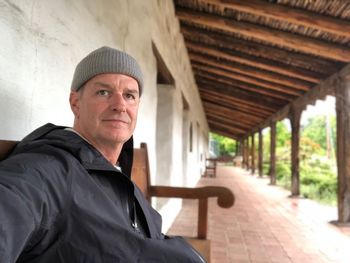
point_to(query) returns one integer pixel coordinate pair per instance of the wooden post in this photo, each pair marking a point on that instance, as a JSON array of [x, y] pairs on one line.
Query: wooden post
[[295, 114], [248, 153], [243, 153], [202, 213], [240, 149], [260, 153], [343, 149], [253, 153], [272, 171]]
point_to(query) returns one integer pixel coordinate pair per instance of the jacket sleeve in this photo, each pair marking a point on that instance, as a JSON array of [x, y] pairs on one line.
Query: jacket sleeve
[[24, 209]]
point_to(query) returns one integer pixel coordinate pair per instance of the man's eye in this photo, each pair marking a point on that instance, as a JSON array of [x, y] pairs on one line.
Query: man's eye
[[130, 96], [103, 92]]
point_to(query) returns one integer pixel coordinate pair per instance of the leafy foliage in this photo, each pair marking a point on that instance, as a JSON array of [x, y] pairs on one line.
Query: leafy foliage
[[316, 130], [317, 163], [317, 169], [226, 145]]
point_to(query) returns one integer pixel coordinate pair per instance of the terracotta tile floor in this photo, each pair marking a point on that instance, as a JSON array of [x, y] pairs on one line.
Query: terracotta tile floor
[[265, 225]]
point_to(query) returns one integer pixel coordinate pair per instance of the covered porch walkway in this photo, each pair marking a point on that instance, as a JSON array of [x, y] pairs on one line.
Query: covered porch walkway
[[265, 225]]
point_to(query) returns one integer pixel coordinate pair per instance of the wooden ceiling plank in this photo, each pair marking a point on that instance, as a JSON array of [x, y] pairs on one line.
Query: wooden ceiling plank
[[247, 96], [253, 72], [212, 114], [258, 50], [227, 126], [276, 37], [226, 133], [287, 14], [234, 136], [249, 105], [220, 120], [258, 63], [230, 112], [270, 105], [221, 103], [248, 79], [248, 118], [227, 130], [244, 86]]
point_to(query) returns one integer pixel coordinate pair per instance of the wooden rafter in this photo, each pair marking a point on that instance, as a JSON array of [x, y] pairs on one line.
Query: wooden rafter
[[287, 14], [258, 63], [232, 110], [268, 103], [232, 118], [244, 86], [238, 107], [253, 107], [248, 79], [252, 72], [233, 123], [222, 41], [227, 126], [276, 37]]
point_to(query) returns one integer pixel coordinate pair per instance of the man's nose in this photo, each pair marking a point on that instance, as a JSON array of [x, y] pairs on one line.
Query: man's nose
[[118, 103]]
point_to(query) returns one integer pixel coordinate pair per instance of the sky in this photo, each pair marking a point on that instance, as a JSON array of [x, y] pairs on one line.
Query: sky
[[320, 108]]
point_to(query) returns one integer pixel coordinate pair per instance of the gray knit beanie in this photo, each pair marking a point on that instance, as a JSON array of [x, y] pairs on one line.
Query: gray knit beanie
[[106, 60]]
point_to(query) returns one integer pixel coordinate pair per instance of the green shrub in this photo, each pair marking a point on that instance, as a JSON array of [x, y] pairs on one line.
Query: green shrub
[[266, 168], [318, 181], [282, 170], [283, 175]]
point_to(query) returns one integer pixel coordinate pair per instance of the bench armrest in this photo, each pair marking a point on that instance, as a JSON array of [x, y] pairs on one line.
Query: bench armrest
[[225, 199]]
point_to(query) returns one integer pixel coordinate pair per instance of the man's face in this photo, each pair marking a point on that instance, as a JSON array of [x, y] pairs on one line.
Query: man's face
[[106, 108]]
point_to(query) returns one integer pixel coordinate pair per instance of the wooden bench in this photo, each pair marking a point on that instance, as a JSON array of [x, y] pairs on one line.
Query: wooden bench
[[6, 147], [225, 198], [141, 176]]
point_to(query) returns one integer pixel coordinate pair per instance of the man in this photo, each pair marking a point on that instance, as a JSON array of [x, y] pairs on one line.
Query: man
[[66, 194]]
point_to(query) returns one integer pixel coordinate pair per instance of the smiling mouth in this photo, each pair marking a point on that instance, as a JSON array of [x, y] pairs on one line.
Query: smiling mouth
[[116, 121]]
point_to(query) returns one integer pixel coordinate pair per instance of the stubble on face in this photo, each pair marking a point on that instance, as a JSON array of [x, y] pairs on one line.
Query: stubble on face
[[106, 109]]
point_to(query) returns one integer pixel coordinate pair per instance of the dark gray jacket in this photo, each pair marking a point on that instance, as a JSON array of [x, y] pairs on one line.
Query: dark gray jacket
[[62, 201]]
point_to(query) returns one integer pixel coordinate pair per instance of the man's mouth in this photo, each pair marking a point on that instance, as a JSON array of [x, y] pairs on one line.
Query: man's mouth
[[116, 121]]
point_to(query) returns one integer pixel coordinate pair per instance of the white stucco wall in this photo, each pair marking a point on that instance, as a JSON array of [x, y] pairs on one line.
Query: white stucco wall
[[42, 41]]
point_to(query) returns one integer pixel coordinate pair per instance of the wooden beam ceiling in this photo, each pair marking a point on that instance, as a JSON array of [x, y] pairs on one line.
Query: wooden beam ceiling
[[244, 86], [252, 59], [197, 35], [299, 43], [255, 62], [286, 14], [250, 71], [248, 79]]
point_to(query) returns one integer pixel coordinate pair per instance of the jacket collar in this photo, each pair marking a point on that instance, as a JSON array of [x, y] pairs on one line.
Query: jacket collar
[[89, 157]]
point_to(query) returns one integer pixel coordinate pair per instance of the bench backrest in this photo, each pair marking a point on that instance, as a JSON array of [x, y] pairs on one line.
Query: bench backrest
[[6, 147], [140, 173]]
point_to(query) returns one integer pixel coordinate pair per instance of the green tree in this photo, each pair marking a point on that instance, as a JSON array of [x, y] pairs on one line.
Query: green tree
[[226, 145], [283, 134], [316, 129]]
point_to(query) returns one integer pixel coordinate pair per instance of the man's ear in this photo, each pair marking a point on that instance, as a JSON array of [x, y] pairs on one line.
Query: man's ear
[[74, 103]]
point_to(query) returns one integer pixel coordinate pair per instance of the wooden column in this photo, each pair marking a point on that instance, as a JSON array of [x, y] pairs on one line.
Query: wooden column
[[240, 149], [253, 153], [272, 171], [244, 155], [260, 153], [295, 114], [343, 149], [247, 153]]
